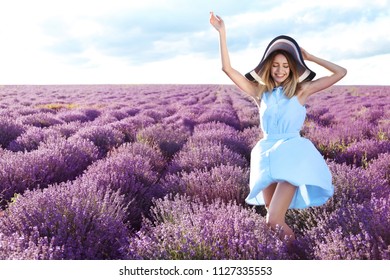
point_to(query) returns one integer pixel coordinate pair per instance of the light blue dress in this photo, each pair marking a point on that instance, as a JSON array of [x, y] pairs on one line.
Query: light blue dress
[[283, 155]]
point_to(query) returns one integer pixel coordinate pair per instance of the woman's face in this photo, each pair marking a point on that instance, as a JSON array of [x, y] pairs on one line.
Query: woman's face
[[280, 69]]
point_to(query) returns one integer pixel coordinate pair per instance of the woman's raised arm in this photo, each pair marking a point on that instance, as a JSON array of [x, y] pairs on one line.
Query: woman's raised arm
[[338, 73], [243, 83]]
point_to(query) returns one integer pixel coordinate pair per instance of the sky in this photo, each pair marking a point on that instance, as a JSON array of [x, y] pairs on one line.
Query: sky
[[172, 41]]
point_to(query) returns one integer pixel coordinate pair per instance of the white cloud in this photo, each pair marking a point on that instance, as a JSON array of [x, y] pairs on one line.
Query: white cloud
[[367, 71]]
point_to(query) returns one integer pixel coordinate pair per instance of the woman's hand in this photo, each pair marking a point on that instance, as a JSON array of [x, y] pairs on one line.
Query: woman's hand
[[305, 54], [217, 22]]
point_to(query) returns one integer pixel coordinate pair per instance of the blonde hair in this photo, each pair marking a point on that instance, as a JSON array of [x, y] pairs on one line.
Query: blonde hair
[[290, 85]]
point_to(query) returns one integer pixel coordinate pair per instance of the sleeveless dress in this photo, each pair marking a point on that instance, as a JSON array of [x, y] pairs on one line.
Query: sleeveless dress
[[283, 155]]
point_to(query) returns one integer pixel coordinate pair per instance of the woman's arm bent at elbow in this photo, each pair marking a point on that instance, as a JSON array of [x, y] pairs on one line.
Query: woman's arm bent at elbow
[[338, 73]]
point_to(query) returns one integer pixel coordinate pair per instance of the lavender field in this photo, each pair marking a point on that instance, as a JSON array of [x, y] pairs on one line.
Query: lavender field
[[161, 172]]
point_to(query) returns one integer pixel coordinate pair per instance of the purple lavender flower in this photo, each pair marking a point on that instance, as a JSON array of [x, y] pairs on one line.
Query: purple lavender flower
[[220, 113], [320, 116], [56, 160], [225, 182], [32, 138], [9, 130], [31, 246], [185, 229], [166, 138], [152, 154], [92, 114], [251, 136], [219, 133], [130, 126], [132, 175], [352, 184], [68, 129], [40, 120], [380, 168], [103, 137], [193, 157], [360, 153], [70, 222], [73, 116], [353, 231]]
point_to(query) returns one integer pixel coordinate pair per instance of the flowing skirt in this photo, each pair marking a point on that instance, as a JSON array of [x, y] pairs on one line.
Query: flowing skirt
[[295, 160]]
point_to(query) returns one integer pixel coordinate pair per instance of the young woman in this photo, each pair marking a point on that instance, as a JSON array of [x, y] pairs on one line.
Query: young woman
[[287, 171]]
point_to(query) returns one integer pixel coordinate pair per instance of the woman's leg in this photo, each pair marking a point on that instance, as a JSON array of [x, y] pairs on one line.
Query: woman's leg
[[280, 201], [268, 193]]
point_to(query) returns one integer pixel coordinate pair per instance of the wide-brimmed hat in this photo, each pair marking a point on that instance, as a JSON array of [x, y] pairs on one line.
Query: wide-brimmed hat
[[289, 45]]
